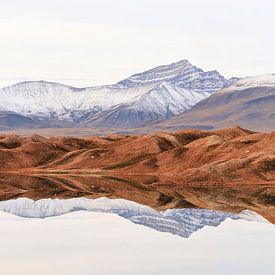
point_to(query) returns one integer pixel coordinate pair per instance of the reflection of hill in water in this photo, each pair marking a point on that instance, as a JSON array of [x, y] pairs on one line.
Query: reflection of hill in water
[[182, 222], [156, 192]]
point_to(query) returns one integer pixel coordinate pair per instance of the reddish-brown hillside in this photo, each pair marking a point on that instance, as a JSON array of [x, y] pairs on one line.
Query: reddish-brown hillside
[[187, 156]]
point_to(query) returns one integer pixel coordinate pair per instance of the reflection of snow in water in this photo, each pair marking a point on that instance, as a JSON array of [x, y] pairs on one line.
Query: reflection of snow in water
[[86, 243], [182, 222]]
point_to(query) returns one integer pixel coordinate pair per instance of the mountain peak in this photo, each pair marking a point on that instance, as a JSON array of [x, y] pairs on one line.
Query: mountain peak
[[260, 80], [266, 80], [182, 74], [155, 94], [181, 62], [37, 82]]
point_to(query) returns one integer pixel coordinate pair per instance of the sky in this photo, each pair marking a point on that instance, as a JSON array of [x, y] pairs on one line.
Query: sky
[[94, 42]]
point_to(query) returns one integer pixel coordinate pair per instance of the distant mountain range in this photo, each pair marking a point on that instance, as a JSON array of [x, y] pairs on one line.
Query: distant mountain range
[[170, 97], [154, 95]]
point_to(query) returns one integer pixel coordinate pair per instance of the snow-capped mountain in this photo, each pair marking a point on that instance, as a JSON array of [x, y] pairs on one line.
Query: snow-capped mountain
[[266, 80], [182, 222], [248, 102], [181, 74], [156, 94]]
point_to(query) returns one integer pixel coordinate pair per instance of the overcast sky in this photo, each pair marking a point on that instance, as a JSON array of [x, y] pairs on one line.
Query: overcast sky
[[91, 42]]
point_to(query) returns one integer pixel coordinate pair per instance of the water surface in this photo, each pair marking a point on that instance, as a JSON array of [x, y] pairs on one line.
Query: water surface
[[64, 224]]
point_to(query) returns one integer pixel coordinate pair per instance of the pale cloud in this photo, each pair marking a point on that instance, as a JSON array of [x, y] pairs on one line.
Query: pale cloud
[[99, 42]]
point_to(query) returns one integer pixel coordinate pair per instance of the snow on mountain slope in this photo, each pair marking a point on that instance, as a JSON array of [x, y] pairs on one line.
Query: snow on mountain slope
[[267, 80], [182, 222], [248, 102], [181, 74], [164, 101], [56, 100], [160, 74], [156, 94]]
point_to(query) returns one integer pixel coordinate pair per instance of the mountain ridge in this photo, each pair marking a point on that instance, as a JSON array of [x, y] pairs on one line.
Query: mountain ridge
[[156, 94], [248, 102]]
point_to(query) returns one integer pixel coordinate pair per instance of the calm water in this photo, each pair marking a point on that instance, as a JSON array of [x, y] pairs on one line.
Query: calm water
[[133, 227]]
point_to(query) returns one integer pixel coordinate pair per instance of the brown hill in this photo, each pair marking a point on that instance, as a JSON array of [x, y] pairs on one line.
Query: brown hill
[[187, 156]]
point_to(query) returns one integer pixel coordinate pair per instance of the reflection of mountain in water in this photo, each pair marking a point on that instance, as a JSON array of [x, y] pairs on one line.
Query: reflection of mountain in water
[[182, 222], [156, 192]]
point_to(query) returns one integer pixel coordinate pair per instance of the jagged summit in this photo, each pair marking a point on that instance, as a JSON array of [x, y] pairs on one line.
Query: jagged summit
[[182, 74], [159, 73]]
